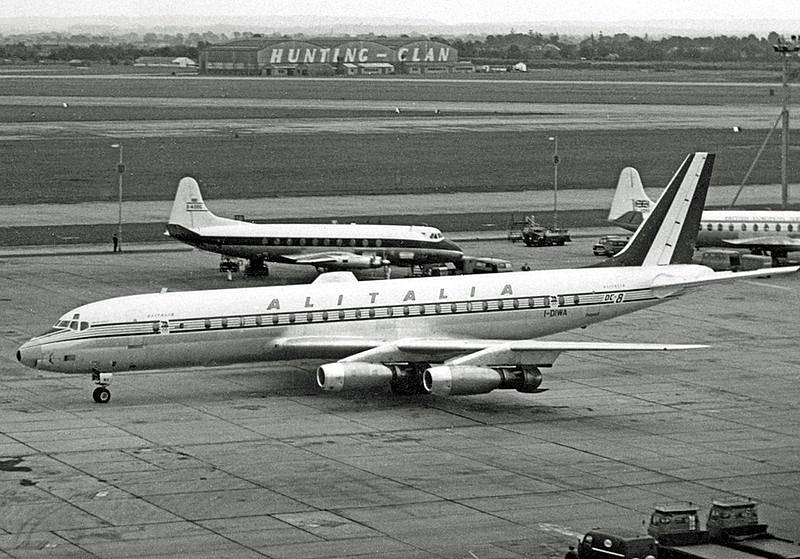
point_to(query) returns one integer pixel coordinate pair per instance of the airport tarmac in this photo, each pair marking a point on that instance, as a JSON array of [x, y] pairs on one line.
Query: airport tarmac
[[253, 461]]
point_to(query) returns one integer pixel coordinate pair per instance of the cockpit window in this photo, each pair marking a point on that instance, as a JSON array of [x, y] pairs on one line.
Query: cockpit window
[[75, 325]]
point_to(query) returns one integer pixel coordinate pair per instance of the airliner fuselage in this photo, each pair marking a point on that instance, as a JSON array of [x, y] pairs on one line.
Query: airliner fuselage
[[236, 325]]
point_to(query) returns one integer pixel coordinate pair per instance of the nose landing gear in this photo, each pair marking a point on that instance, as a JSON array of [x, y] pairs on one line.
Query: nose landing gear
[[101, 394]]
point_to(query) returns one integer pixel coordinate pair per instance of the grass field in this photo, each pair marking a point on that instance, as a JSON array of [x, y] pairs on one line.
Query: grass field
[[542, 87], [66, 168], [307, 164]]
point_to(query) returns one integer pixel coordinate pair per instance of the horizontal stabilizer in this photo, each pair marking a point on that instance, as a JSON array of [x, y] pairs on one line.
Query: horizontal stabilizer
[[666, 284]]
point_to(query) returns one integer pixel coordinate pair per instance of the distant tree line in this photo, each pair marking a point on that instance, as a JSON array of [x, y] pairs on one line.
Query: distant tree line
[[621, 46], [112, 54], [528, 47]]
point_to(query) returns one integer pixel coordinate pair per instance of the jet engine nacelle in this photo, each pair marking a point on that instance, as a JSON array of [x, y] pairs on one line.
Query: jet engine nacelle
[[447, 380], [358, 261], [352, 376]]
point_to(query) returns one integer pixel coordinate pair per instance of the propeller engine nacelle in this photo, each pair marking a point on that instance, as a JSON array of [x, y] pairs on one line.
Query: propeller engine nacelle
[[447, 380], [358, 261]]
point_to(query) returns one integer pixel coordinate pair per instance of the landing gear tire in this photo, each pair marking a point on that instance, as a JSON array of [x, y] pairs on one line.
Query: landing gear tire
[[101, 395]]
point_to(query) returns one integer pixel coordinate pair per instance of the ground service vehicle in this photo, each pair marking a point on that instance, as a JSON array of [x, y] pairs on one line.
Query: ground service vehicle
[[534, 234], [733, 532], [616, 542], [609, 245], [468, 265], [483, 265]]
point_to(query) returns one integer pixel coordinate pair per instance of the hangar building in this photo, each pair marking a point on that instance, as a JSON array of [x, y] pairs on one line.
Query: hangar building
[[264, 57]]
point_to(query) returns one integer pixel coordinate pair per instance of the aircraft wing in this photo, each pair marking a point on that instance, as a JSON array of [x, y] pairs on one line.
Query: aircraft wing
[[477, 352], [316, 259], [335, 259], [765, 243]]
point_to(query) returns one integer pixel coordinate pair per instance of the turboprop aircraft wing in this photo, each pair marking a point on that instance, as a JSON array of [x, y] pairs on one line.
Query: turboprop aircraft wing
[[765, 243]]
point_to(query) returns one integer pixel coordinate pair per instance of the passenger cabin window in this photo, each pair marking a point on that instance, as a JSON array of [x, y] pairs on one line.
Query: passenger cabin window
[[719, 227], [710, 227], [755, 227], [778, 227], [730, 227], [790, 228], [744, 227], [766, 227]]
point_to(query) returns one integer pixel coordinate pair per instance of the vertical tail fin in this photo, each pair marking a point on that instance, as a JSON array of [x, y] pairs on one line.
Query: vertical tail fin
[[669, 232], [189, 210], [630, 205]]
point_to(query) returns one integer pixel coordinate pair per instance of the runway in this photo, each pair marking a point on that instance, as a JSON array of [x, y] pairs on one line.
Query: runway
[[296, 207], [253, 461]]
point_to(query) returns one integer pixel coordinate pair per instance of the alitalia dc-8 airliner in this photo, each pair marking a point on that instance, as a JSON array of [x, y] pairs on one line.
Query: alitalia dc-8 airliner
[[441, 335]]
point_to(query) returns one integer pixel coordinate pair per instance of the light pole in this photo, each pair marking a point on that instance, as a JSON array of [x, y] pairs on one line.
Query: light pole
[[554, 139], [785, 49], [120, 172]]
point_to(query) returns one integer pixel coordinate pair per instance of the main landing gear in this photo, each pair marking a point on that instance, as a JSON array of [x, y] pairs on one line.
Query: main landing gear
[[257, 267], [101, 394]]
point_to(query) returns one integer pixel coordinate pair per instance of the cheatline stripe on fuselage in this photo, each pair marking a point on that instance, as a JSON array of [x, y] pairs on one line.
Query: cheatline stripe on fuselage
[[376, 312], [373, 243]]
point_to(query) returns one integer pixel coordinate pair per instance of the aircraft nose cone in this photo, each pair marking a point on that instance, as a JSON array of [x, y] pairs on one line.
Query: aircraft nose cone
[[28, 355], [450, 245]]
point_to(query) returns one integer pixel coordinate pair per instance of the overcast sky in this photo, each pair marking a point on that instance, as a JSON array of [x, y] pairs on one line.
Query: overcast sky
[[778, 14], [446, 11]]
